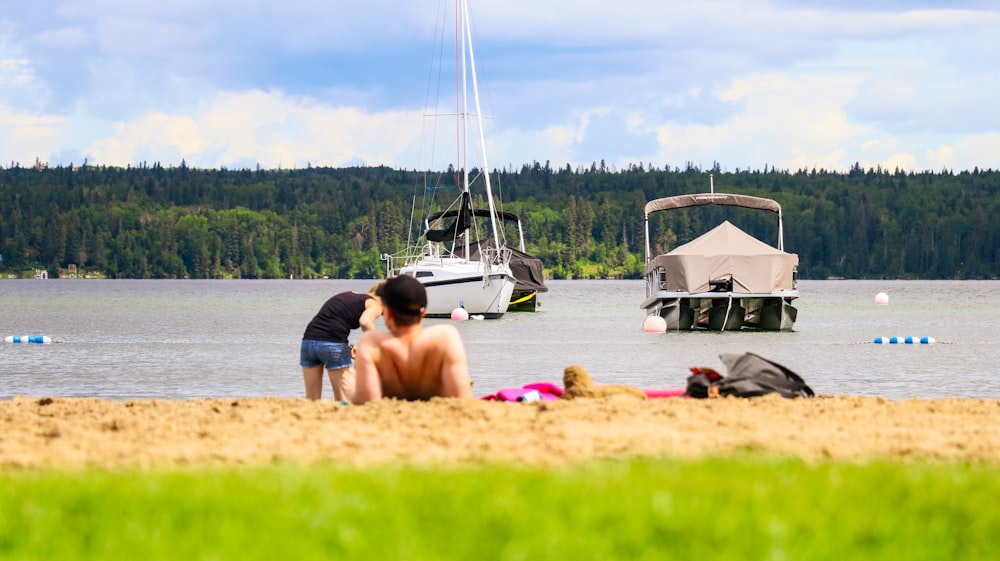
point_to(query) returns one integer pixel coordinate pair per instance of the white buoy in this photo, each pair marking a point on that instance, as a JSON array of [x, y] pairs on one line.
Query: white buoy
[[654, 324], [882, 299], [459, 314]]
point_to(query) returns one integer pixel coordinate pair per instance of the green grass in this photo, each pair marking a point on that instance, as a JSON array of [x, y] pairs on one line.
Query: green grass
[[736, 509]]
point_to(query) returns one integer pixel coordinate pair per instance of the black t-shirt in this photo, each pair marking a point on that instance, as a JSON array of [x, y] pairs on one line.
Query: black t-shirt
[[338, 316]]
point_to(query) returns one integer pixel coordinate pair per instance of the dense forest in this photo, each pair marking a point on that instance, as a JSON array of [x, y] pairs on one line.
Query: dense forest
[[151, 221]]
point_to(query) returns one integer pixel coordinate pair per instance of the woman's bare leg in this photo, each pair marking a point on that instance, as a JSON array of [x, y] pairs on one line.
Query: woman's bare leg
[[313, 377], [342, 380]]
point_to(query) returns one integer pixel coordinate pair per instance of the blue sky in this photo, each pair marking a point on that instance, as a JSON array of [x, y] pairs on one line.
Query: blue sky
[[792, 84]]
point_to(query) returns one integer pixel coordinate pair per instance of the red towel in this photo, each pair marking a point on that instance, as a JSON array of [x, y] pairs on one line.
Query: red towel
[[549, 392]]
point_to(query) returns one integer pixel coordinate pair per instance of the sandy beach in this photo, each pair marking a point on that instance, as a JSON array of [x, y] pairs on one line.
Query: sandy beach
[[72, 433]]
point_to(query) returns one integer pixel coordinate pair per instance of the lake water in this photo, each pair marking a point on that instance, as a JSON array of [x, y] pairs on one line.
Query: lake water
[[186, 339]]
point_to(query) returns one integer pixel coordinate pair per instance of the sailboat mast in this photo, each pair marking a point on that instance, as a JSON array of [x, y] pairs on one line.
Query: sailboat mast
[[479, 117], [460, 183], [462, 21]]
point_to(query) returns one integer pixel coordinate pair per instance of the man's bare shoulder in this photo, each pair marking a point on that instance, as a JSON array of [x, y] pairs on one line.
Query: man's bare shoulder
[[441, 330], [373, 337]]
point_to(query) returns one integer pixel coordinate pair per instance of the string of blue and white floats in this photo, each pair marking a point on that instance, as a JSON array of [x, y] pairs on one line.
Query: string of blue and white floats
[[904, 341], [38, 339]]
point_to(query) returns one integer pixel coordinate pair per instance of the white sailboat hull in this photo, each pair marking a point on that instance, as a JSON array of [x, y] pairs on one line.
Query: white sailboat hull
[[454, 282]]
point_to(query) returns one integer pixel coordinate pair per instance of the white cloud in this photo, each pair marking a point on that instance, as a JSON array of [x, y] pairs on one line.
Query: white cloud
[[906, 162], [25, 137], [966, 153], [785, 121], [15, 72], [242, 129]]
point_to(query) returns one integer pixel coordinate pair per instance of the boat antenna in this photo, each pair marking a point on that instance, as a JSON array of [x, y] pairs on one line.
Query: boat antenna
[[711, 183]]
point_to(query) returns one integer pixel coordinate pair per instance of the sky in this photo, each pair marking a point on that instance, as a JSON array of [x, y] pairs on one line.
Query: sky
[[742, 84]]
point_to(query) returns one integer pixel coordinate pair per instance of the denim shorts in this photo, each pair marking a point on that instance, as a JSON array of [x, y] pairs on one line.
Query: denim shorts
[[333, 355]]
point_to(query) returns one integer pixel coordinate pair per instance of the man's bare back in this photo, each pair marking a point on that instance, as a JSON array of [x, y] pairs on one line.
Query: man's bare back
[[419, 365], [410, 362]]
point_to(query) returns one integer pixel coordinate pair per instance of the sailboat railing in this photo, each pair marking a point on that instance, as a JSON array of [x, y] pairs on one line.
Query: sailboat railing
[[494, 259], [428, 253]]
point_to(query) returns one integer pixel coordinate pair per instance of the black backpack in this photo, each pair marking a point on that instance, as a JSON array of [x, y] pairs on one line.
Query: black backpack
[[749, 375]]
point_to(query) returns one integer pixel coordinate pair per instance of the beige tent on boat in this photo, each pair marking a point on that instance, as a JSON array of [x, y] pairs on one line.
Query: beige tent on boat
[[727, 252]]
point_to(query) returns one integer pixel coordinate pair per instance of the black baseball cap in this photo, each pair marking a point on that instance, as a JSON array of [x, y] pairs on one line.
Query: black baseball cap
[[404, 295]]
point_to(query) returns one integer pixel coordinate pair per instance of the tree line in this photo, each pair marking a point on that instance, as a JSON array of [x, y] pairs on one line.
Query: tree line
[[151, 221]]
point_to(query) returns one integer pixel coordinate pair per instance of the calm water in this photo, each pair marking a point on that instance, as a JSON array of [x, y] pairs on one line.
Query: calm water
[[189, 339]]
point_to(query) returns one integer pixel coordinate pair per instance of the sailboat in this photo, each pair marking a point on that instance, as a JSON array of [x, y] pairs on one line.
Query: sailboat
[[443, 261], [528, 270]]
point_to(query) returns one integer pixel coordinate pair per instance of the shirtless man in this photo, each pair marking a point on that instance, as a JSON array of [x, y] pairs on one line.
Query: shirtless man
[[410, 362]]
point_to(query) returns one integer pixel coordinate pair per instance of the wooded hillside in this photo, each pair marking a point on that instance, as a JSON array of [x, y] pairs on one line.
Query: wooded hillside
[[178, 222]]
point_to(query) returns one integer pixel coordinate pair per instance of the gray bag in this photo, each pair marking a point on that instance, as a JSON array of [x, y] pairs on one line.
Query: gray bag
[[749, 375]]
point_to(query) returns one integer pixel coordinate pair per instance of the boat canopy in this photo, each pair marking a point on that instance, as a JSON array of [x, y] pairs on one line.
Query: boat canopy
[[479, 213], [527, 271], [466, 221], [713, 198], [462, 222], [726, 252], [698, 199]]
